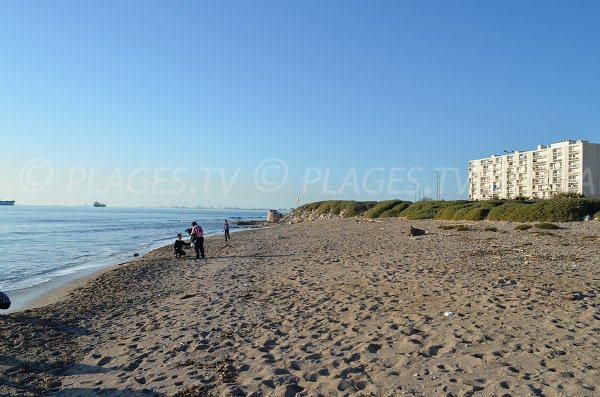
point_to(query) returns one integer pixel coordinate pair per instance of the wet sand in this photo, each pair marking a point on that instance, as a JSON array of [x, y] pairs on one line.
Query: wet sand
[[333, 308]]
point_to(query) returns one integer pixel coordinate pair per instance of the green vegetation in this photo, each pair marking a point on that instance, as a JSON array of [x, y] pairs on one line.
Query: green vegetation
[[504, 212], [338, 207], [384, 206], [424, 209], [547, 226], [396, 211], [328, 206], [523, 227], [569, 195], [460, 228], [597, 216], [309, 207], [555, 210], [356, 208], [467, 210], [490, 229]]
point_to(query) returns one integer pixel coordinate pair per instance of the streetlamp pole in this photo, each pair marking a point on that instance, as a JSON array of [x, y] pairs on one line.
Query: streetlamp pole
[[418, 190], [437, 177]]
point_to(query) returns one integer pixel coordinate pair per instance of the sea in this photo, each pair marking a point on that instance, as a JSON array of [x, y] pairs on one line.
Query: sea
[[39, 244]]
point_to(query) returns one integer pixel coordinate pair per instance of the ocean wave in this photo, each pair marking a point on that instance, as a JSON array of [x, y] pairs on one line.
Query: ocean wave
[[75, 239], [7, 286]]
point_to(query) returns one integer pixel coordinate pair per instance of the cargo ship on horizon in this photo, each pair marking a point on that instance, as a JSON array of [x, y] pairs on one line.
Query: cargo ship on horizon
[[7, 202]]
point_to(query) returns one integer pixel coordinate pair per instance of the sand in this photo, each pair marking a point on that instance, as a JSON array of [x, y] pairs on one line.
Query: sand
[[338, 307]]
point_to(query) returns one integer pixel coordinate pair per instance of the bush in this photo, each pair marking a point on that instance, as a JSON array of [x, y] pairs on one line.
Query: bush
[[382, 207], [467, 211], [547, 226], [462, 228], [309, 206], [425, 209], [448, 212], [356, 208], [505, 211], [597, 216], [336, 207], [490, 229], [557, 210], [395, 212], [569, 195], [325, 207], [523, 227]]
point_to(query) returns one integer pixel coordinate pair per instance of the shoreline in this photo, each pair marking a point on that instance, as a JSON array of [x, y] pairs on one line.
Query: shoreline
[[43, 294], [334, 307], [57, 288]]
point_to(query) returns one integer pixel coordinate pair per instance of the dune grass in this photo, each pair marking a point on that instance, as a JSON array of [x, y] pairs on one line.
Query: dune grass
[[541, 211], [467, 211], [547, 226], [424, 209], [555, 210], [523, 227], [384, 206]]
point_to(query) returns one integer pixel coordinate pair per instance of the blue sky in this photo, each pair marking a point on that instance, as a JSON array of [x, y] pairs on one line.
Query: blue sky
[[138, 102]]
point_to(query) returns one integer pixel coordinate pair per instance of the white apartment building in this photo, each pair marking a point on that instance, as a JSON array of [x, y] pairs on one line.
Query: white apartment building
[[563, 167]]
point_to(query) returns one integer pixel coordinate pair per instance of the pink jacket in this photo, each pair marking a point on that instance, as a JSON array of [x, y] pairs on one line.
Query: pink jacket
[[197, 231]]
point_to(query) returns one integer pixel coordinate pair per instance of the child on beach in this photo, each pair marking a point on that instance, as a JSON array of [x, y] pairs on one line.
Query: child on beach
[[197, 235], [178, 246], [226, 229]]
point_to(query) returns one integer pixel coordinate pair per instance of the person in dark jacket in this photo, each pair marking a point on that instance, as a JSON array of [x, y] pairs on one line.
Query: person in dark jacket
[[4, 301], [226, 230], [178, 246]]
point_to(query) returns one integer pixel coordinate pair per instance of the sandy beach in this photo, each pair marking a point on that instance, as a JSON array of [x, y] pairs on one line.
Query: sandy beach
[[338, 307]]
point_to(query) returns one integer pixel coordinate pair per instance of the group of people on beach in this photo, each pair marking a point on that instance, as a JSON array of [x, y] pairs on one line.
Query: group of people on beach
[[196, 234], [196, 238]]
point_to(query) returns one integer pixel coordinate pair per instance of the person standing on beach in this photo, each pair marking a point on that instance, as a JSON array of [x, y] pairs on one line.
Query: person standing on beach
[[226, 229], [197, 235]]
